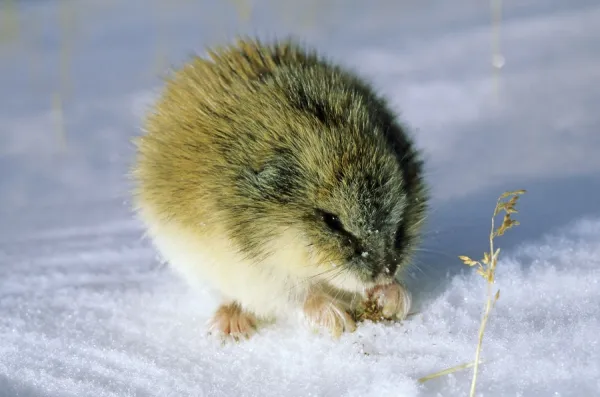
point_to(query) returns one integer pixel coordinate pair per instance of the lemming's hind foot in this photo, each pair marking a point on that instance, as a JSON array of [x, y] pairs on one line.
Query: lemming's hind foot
[[323, 311], [230, 320]]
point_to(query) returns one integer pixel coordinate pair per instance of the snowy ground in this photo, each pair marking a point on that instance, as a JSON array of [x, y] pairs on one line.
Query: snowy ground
[[87, 310]]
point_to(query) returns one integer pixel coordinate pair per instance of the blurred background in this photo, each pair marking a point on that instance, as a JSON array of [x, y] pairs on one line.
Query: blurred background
[[499, 95], [77, 76]]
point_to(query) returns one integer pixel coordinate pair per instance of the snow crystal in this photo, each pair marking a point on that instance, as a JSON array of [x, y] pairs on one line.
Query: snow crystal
[[86, 309]]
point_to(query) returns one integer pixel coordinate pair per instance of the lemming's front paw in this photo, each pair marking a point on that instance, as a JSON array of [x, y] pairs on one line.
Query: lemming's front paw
[[393, 300], [323, 311], [231, 321]]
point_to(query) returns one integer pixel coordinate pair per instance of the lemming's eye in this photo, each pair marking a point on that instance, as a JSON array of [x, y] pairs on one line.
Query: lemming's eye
[[332, 221]]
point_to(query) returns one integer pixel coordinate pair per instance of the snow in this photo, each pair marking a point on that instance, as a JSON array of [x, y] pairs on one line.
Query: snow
[[86, 309]]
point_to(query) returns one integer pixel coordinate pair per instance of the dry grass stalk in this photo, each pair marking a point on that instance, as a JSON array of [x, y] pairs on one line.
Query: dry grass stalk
[[9, 21], [446, 371], [486, 268], [68, 19], [244, 9], [497, 57]]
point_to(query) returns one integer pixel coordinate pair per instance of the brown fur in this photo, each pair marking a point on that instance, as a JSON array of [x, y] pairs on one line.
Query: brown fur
[[262, 149]]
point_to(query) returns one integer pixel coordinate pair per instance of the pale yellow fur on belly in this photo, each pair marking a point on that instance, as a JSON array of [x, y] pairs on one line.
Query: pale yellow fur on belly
[[275, 287]]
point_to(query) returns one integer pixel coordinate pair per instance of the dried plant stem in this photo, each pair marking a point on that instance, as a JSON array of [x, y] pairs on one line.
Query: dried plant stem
[[161, 54], [67, 34], [486, 268], [244, 9], [446, 371], [489, 272], [486, 315], [497, 58], [488, 308], [9, 20]]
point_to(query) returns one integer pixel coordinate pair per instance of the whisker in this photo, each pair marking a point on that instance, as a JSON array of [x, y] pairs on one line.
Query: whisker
[[430, 251], [447, 229], [335, 270], [339, 291], [336, 274], [418, 267]]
